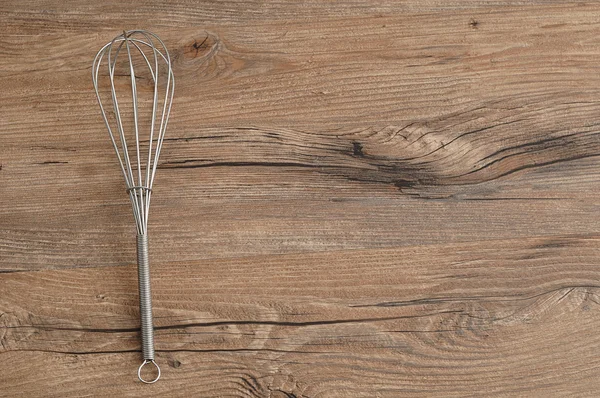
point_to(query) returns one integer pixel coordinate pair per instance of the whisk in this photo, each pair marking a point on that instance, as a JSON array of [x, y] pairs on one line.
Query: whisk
[[129, 116]]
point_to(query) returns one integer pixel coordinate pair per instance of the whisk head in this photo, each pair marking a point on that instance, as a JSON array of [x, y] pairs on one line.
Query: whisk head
[[135, 91]]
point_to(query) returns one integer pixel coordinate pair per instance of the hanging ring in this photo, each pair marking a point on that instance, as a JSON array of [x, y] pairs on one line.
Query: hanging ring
[[140, 372]]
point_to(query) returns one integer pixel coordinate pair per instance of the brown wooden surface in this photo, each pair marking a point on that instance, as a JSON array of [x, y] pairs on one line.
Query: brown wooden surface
[[356, 199]]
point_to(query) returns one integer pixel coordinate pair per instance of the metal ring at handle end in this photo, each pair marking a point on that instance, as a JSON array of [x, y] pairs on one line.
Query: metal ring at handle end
[[140, 372]]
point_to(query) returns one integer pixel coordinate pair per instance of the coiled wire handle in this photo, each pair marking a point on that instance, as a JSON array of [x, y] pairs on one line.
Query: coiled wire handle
[[145, 307]]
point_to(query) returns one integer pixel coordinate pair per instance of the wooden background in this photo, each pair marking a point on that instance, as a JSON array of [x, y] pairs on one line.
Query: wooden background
[[356, 199]]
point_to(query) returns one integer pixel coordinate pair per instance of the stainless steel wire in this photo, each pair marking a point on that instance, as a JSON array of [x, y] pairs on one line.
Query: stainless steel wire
[[145, 297], [138, 165]]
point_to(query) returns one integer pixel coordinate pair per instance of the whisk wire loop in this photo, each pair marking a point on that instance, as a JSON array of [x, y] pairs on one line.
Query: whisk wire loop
[[138, 172]]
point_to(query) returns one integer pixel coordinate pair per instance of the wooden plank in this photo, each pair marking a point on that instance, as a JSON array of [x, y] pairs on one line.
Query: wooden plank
[[495, 319], [33, 16], [304, 135]]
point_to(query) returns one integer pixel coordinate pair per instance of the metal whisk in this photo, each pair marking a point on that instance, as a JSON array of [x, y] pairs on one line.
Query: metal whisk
[[130, 117]]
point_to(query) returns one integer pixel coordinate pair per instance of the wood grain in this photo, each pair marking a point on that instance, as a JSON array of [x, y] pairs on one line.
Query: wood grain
[[459, 320], [355, 199]]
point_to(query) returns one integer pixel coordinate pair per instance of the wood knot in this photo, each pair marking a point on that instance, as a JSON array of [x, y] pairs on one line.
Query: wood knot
[[201, 47], [357, 149]]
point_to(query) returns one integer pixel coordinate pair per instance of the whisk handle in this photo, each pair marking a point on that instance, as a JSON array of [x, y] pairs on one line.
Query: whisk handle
[[147, 327]]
